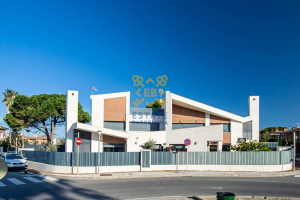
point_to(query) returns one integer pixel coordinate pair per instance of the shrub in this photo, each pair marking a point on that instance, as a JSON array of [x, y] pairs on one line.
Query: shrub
[[251, 146], [41, 148], [150, 144], [52, 148]]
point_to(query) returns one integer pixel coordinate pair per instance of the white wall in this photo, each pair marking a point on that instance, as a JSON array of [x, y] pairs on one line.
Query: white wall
[[236, 131], [143, 136], [198, 134], [98, 107], [168, 111], [92, 170], [71, 118], [253, 102]]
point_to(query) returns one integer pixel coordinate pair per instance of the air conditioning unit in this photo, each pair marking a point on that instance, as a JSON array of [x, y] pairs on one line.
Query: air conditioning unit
[[241, 139]]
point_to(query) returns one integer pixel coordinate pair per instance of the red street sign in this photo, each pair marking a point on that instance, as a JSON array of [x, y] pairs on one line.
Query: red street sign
[[187, 142], [78, 141]]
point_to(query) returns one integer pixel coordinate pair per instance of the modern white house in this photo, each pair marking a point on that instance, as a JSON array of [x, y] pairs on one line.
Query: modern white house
[[116, 127]]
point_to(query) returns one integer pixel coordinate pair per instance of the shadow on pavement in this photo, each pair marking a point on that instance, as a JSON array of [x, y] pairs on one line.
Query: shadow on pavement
[[61, 189]]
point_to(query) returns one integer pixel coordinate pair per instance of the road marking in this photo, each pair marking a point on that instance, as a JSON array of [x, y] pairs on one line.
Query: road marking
[[164, 197], [297, 176], [16, 181], [48, 178], [217, 188], [2, 184], [33, 180]]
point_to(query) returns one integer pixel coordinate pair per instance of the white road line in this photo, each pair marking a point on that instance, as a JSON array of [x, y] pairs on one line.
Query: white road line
[[48, 178], [33, 180], [297, 176], [2, 184], [16, 181]]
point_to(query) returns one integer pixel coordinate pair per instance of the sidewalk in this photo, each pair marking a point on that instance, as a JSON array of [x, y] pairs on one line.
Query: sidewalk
[[126, 175]]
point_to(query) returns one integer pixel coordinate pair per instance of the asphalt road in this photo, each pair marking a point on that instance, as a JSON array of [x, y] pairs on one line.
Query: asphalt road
[[20, 186]]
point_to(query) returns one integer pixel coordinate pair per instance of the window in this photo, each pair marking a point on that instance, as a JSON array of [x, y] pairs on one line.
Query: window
[[136, 126], [247, 130], [85, 141], [226, 127], [120, 126], [181, 126]]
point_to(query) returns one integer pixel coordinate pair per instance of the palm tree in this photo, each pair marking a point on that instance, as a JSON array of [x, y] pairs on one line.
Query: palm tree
[[9, 96]]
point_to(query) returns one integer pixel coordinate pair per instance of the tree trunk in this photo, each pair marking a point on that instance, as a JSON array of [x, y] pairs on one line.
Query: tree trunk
[[53, 131], [46, 131]]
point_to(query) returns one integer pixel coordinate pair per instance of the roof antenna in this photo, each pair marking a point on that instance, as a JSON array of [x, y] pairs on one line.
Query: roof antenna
[[94, 89]]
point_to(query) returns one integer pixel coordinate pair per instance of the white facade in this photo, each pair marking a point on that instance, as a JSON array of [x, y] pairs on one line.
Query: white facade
[[165, 136]]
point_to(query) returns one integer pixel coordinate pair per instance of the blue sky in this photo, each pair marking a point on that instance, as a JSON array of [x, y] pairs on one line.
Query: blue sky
[[215, 52]]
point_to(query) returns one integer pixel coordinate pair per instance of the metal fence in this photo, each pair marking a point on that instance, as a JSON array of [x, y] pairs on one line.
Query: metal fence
[[222, 158], [160, 158], [85, 159], [273, 145]]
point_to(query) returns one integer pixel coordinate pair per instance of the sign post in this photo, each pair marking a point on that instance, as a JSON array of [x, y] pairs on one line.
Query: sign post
[[187, 143], [78, 142]]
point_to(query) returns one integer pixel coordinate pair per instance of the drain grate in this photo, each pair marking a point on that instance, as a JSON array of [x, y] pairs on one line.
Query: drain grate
[[105, 174]]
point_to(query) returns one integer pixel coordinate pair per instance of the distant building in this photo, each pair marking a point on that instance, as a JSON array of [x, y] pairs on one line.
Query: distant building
[[289, 134], [274, 132], [2, 132], [35, 139]]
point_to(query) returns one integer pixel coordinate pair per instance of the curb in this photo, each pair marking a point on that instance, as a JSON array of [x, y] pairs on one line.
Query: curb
[[98, 177], [247, 197]]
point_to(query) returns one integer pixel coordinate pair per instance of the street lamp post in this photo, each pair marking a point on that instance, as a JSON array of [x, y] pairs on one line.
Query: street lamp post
[[294, 163]]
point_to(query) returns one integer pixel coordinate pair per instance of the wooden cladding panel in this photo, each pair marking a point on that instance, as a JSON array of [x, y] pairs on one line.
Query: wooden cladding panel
[[186, 115], [115, 109], [226, 138], [112, 140], [218, 120]]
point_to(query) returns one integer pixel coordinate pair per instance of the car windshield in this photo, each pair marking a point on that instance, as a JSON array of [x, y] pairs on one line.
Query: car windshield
[[13, 156]]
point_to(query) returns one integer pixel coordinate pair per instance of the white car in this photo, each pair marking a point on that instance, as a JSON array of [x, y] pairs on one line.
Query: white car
[[14, 161]]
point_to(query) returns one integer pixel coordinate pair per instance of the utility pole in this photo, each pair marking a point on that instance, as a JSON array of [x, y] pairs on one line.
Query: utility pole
[[10, 136], [16, 144], [294, 159], [22, 137]]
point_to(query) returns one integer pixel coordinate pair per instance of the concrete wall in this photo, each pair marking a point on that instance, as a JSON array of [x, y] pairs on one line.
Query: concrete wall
[[225, 168], [81, 170], [198, 134], [112, 110], [236, 131], [142, 137], [71, 118], [254, 113], [134, 168]]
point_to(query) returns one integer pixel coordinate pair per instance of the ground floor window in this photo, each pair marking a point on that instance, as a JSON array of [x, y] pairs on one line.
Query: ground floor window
[[212, 146], [85, 141], [113, 148], [178, 147]]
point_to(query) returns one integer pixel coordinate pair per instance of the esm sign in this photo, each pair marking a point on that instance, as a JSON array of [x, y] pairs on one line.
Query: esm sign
[[78, 141]]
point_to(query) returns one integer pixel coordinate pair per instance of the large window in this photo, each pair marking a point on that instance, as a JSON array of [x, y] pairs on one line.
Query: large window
[[180, 126], [247, 130], [85, 141], [119, 126], [136, 126], [226, 127], [113, 147]]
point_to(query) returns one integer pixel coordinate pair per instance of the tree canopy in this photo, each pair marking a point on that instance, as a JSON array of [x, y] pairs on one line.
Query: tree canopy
[[156, 104], [41, 113]]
